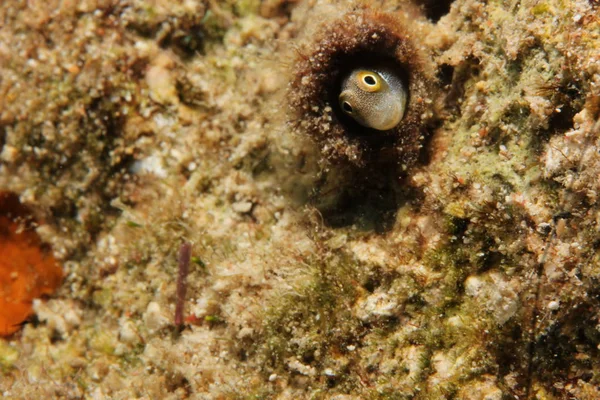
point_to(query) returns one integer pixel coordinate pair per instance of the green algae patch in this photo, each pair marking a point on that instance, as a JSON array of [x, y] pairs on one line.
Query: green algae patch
[[9, 355], [310, 328], [540, 9], [103, 342], [247, 7]]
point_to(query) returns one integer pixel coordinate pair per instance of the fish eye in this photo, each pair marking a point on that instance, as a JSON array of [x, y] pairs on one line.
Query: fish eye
[[347, 107], [369, 80]]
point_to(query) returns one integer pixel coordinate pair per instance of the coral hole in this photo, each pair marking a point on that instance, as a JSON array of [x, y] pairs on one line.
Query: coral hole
[[435, 9], [362, 185], [362, 38]]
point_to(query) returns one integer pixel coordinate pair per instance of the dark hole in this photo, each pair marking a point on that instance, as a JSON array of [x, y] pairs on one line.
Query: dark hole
[[308, 357], [347, 107], [55, 337], [371, 369], [435, 9], [561, 121], [458, 226], [417, 301], [2, 136], [331, 381], [369, 80], [178, 381], [445, 74], [372, 283], [569, 99]]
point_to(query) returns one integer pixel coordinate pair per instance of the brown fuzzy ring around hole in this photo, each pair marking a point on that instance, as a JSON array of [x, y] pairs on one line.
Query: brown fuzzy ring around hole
[[361, 38]]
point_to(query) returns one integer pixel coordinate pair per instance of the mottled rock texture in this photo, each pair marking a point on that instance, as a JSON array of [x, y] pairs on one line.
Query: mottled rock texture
[[132, 126]]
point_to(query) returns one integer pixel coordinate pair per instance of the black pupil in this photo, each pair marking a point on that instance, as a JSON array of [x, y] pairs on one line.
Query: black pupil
[[347, 107], [369, 80]]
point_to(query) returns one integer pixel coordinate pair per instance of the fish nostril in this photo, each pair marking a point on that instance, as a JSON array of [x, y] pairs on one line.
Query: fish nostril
[[347, 107]]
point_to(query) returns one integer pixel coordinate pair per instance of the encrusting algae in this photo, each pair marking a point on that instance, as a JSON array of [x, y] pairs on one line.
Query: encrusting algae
[[453, 256], [27, 270]]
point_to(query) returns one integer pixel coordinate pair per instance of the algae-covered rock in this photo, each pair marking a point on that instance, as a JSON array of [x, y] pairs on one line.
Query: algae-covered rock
[[130, 127]]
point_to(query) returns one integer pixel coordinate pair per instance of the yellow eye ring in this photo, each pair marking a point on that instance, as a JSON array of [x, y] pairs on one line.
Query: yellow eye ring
[[368, 81]]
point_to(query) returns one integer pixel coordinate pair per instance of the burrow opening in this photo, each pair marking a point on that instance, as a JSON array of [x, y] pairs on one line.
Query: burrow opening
[[434, 10]]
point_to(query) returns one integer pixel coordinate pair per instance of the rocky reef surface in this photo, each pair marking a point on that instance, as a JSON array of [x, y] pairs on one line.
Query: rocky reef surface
[[129, 127]]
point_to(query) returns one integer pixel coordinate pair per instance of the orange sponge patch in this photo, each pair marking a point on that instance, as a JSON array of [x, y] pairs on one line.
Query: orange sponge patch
[[27, 269]]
